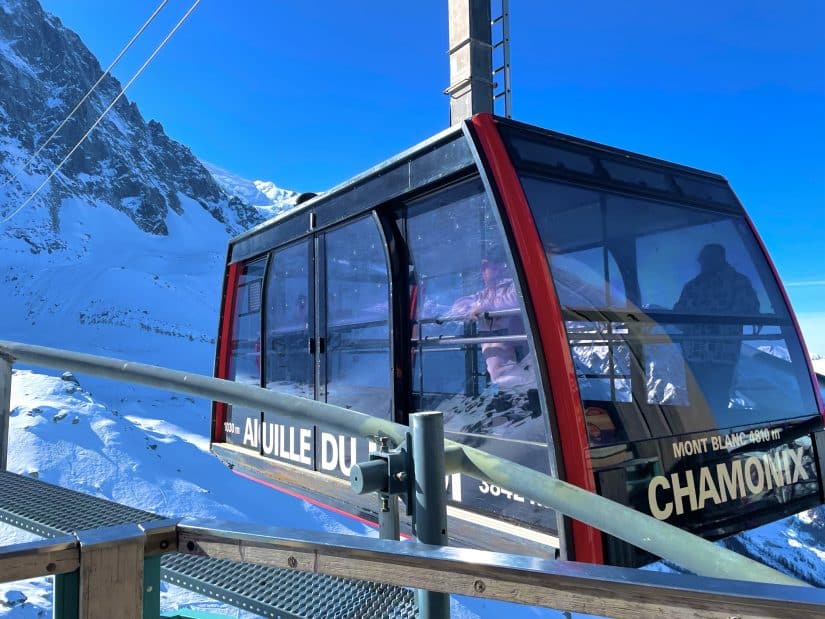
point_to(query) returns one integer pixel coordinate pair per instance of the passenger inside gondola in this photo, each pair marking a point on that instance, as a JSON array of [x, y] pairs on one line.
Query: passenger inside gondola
[[471, 358], [495, 310], [712, 350]]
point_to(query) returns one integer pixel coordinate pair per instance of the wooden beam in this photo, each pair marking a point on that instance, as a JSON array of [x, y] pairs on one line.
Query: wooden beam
[[39, 558], [578, 587], [111, 572]]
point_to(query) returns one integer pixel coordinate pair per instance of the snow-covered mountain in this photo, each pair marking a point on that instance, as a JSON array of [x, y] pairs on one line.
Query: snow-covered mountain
[[265, 196], [131, 230], [127, 163]]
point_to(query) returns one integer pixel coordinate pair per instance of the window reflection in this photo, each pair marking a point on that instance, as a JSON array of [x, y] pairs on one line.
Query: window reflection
[[245, 352], [358, 333], [472, 358], [289, 366], [674, 320]]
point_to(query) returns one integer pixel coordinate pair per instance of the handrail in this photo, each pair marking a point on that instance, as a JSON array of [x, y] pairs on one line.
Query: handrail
[[455, 340], [46, 557], [565, 585], [657, 537]]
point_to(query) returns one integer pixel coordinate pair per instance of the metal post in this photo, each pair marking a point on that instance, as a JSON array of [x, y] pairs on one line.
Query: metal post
[[389, 525], [151, 587], [5, 407], [471, 59], [66, 596], [430, 510]]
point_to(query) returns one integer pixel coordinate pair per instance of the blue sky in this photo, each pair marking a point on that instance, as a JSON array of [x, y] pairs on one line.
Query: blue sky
[[308, 94]]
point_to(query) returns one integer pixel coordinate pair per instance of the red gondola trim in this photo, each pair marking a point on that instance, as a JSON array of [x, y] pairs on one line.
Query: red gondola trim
[[219, 409], [315, 502], [587, 541]]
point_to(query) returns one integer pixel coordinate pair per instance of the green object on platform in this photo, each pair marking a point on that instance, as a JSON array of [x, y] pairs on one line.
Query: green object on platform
[[66, 596], [151, 588], [67, 592]]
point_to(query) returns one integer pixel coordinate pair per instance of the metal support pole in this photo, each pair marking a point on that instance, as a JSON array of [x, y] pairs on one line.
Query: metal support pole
[[66, 596], [151, 587], [389, 525], [430, 511], [471, 59], [5, 407]]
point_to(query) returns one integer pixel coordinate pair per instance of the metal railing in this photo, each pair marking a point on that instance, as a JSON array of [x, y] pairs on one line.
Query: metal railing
[[110, 583], [565, 585], [109, 563], [659, 538]]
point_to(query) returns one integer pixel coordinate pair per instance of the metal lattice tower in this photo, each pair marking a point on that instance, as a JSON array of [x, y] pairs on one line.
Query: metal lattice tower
[[502, 89]]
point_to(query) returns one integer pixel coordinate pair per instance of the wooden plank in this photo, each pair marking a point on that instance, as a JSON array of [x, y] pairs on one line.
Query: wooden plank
[[591, 589], [111, 573], [40, 558]]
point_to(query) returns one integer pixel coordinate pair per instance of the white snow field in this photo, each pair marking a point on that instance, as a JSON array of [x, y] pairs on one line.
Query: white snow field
[[119, 292]]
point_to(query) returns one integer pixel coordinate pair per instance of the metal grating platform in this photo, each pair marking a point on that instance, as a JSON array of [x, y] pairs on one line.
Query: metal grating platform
[[51, 511], [286, 594]]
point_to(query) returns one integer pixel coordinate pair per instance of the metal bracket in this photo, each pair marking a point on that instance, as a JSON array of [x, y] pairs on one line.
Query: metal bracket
[[389, 472]]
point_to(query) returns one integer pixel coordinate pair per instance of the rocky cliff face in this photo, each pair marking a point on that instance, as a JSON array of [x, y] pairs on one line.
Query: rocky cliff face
[[126, 163]]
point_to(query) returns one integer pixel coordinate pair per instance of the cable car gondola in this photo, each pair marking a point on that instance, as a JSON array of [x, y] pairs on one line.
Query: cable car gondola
[[595, 314]]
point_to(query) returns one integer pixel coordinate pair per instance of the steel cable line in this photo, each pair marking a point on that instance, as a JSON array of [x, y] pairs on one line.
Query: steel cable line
[[110, 106], [89, 92]]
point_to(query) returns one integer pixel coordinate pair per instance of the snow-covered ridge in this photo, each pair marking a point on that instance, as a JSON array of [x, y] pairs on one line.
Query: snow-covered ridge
[[265, 196]]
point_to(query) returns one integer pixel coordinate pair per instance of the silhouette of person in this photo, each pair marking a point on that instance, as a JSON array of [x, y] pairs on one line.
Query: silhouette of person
[[712, 350], [499, 293]]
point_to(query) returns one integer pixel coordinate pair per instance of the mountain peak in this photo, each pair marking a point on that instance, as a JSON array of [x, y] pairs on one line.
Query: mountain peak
[[126, 163], [265, 196]]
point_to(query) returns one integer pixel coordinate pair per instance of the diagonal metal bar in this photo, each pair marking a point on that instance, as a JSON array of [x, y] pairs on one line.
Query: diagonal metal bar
[[657, 537]]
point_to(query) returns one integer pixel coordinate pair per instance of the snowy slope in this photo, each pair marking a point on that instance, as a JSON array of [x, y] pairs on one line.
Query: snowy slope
[[149, 452], [127, 163], [118, 291]]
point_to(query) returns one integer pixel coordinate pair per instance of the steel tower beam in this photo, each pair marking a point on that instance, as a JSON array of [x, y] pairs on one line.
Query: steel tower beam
[[471, 59]]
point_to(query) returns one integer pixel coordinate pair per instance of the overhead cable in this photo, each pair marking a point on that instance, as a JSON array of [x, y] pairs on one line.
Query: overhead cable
[[110, 106], [89, 92]]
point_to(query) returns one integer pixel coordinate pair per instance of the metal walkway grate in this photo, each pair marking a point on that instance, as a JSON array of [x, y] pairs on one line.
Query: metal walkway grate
[[286, 594], [51, 511]]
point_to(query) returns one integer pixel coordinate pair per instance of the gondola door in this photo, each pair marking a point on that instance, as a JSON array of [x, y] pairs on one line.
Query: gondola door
[[352, 346], [328, 338], [289, 366]]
